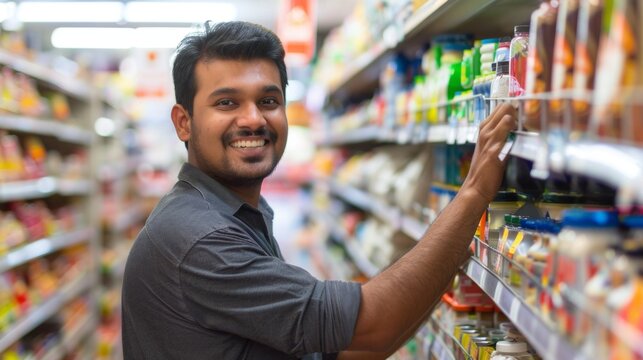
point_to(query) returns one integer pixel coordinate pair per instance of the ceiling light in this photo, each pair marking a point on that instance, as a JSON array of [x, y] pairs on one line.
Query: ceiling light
[[70, 11], [6, 10], [92, 38], [159, 37], [118, 38], [179, 12], [104, 126]]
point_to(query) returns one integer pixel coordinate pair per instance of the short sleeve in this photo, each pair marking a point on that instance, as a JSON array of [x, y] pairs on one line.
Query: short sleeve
[[230, 284]]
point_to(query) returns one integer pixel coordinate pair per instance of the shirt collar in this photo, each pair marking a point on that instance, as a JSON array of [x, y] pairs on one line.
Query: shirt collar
[[213, 190]]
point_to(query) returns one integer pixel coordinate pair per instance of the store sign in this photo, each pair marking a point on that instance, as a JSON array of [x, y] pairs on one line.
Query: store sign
[[297, 30]]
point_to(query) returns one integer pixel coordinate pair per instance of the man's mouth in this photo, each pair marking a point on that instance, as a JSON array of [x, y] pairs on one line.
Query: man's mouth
[[243, 144]]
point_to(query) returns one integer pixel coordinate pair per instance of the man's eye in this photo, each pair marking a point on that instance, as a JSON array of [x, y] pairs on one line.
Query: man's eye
[[269, 101], [225, 102]]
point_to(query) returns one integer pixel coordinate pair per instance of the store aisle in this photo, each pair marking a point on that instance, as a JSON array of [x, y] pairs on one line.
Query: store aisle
[[290, 207]]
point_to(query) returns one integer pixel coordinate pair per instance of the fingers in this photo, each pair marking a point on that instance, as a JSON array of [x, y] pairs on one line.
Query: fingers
[[496, 116], [499, 123]]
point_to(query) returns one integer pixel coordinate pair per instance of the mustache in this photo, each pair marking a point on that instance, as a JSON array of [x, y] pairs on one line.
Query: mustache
[[261, 132]]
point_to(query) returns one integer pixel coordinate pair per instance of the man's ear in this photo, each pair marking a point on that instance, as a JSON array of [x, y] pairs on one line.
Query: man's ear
[[181, 121]]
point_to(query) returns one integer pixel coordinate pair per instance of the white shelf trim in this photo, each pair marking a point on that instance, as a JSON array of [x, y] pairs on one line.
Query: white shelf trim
[[73, 87], [43, 187], [51, 127], [43, 247]]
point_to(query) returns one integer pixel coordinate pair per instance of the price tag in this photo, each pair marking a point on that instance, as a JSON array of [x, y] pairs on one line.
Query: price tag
[[483, 280], [472, 133], [463, 131], [498, 293], [452, 135], [513, 311], [552, 346]]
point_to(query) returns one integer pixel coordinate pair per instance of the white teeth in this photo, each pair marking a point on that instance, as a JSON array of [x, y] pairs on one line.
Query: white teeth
[[248, 143]]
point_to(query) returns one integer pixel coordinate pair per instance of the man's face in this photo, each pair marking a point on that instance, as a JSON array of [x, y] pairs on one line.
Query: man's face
[[238, 129]]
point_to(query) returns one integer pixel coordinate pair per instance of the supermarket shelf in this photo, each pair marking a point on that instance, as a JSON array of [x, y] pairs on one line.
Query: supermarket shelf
[[43, 187], [618, 165], [44, 311], [72, 339], [527, 145], [367, 202], [43, 247], [65, 83], [389, 214], [352, 247], [410, 135], [119, 171], [64, 132], [479, 17], [369, 134], [362, 74], [130, 217], [546, 341], [360, 260]]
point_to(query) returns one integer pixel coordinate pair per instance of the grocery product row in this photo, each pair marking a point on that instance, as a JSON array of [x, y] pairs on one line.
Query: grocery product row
[[53, 258], [570, 193], [529, 257]]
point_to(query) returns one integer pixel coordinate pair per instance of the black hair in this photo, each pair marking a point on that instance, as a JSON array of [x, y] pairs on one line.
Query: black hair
[[235, 40]]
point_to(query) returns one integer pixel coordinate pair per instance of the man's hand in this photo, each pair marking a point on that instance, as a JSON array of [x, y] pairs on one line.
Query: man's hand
[[487, 170]]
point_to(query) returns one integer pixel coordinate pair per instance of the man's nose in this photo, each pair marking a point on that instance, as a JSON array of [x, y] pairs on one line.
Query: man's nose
[[251, 117]]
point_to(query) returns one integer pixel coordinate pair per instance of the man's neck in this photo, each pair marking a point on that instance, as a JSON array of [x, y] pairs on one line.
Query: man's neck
[[249, 194]]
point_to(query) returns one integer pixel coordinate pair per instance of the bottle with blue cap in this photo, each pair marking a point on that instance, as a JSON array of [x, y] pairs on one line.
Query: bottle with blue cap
[[584, 240]]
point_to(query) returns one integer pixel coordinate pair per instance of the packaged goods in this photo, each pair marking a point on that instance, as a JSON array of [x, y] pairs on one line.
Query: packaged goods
[[585, 237], [518, 53], [511, 350], [616, 114], [540, 61], [563, 67], [590, 16]]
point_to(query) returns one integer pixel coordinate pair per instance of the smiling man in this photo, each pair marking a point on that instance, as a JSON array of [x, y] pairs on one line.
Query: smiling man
[[205, 278]]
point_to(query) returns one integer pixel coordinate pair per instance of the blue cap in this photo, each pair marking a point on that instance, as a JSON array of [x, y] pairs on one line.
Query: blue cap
[[489, 41], [589, 218], [633, 221]]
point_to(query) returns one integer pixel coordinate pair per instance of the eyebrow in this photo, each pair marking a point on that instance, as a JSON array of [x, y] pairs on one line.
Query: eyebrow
[[231, 91]]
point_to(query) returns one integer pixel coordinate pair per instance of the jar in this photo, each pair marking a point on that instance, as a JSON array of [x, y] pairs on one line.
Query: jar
[[584, 239], [511, 350]]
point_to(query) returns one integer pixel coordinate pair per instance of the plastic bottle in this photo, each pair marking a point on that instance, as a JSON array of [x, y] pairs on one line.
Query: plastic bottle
[[619, 71], [588, 32], [501, 83], [626, 293], [563, 68], [583, 241], [392, 81], [518, 52], [539, 63], [511, 350]]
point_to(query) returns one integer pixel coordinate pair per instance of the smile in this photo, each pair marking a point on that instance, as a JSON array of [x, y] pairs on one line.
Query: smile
[[241, 144]]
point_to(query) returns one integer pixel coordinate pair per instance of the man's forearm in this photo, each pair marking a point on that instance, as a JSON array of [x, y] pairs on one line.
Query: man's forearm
[[394, 300], [409, 288]]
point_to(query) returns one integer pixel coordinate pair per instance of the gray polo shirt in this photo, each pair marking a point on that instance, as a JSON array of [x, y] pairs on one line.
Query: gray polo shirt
[[205, 280]]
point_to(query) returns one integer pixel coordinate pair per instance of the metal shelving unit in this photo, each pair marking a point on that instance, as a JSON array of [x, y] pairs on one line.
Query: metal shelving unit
[[44, 311], [66, 137]]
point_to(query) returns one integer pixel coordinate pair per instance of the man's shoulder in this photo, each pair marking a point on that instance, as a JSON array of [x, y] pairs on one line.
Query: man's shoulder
[[185, 212]]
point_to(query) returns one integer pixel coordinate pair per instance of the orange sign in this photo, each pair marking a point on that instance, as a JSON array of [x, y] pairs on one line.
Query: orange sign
[[297, 30]]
